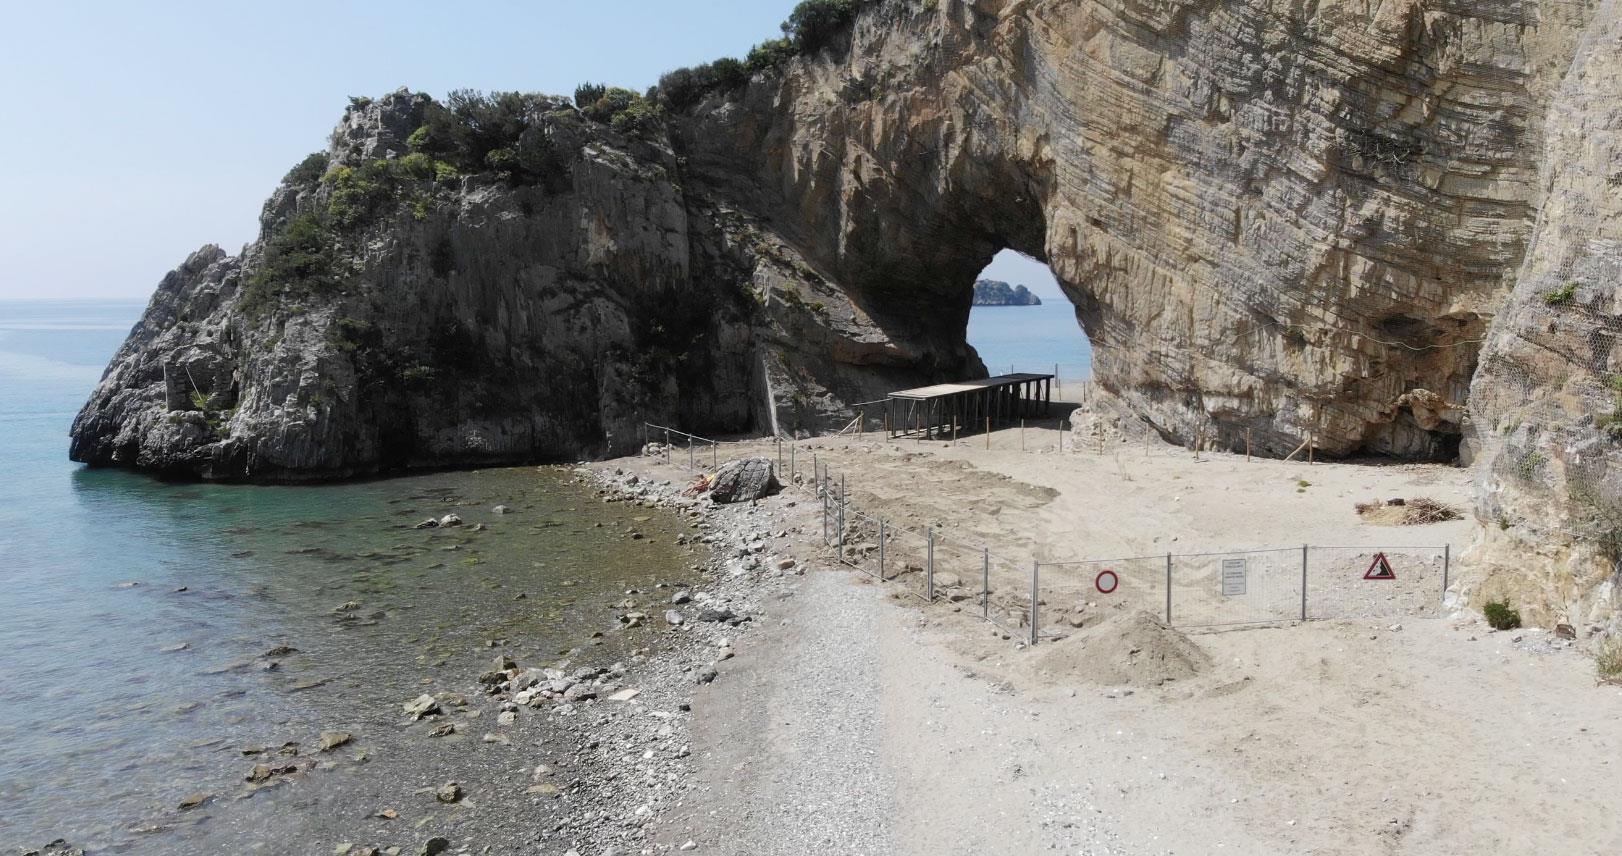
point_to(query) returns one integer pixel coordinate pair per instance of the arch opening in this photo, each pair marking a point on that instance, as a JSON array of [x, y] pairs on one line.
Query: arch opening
[[1011, 336]]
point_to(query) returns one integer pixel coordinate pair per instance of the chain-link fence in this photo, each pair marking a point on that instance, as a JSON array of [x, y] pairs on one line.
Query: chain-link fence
[[1032, 600]]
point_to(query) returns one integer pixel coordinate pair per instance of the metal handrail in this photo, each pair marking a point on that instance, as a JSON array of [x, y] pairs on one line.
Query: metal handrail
[[683, 433]]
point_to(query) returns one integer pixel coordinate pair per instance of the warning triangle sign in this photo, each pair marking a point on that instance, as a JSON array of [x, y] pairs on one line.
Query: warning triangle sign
[[1380, 569]]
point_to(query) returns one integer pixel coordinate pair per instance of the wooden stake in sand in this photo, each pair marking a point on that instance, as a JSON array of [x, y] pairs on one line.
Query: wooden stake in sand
[[1298, 449], [988, 432], [1247, 445], [1022, 435]]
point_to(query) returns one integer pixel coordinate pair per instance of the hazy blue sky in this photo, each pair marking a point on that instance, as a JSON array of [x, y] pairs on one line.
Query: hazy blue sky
[[137, 132]]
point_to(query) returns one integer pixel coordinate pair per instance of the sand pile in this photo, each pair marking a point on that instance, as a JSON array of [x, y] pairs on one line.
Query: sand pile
[[1131, 649]]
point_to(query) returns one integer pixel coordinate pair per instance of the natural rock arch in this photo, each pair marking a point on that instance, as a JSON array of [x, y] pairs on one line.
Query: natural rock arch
[[1259, 232], [1288, 220]]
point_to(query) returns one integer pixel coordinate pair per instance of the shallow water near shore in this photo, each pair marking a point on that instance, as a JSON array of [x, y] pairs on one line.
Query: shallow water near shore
[[152, 633]]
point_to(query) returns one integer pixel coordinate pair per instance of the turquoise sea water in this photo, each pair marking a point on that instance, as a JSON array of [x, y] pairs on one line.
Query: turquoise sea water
[[1031, 339], [143, 624]]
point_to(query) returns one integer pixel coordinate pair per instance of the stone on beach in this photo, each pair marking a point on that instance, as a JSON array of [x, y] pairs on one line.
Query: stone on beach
[[744, 480], [421, 706]]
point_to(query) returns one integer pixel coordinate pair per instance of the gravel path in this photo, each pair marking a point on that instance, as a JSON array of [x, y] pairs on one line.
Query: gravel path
[[795, 766]]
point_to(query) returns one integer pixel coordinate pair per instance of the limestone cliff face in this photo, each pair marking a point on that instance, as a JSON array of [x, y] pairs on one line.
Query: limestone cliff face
[[484, 322], [1546, 406], [1294, 218], [1270, 214]]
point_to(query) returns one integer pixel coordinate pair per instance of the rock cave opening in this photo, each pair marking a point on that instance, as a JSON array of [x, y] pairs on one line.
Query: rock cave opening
[[1021, 321]]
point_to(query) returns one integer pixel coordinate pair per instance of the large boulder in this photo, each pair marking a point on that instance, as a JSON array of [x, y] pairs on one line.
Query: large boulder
[[744, 480]]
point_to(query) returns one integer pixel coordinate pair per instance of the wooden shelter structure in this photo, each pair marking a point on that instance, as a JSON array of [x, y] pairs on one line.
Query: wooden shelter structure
[[947, 408]]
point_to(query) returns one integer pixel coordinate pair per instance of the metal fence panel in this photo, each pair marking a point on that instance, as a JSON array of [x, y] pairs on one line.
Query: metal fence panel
[[1073, 594], [1237, 588], [1353, 582]]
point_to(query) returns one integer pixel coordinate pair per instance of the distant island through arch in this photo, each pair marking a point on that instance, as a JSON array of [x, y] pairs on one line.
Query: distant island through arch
[[992, 292]]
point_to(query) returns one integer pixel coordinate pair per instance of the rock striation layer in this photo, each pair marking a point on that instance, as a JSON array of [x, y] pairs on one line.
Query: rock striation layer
[[1296, 219]]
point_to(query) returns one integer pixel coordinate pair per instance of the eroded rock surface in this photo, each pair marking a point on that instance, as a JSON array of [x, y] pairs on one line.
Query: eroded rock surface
[[1270, 215], [1296, 219], [1546, 406]]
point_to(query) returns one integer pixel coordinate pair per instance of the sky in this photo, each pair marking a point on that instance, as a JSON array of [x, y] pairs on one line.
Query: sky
[[135, 133]]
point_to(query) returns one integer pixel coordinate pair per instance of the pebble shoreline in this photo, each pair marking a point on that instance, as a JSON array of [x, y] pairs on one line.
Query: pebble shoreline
[[604, 748], [633, 745], [632, 762]]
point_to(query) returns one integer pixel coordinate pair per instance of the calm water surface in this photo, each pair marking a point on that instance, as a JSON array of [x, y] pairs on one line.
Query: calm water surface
[[140, 621], [1031, 339]]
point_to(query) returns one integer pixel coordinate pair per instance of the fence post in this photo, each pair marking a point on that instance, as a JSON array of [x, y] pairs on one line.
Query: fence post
[[667, 447], [793, 470], [881, 549], [1168, 590], [929, 567], [689, 453], [824, 495], [985, 583], [1447, 561], [715, 455], [842, 504], [1304, 549], [1036, 569]]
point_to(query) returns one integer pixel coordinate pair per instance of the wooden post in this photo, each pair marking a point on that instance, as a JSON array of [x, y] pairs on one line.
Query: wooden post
[[1247, 445], [1312, 447], [988, 432], [1022, 435], [861, 422]]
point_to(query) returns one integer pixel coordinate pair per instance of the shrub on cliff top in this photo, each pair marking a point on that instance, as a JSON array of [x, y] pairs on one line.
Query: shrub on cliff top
[[769, 55], [308, 170], [815, 23], [685, 87], [613, 100], [587, 94]]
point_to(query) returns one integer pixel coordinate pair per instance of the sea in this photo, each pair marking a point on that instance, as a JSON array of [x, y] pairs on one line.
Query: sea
[[1042, 339], [158, 640]]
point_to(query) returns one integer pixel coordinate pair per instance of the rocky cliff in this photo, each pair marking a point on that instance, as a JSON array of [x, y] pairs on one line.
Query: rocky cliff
[[401, 312], [1297, 219], [991, 292], [1546, 405]]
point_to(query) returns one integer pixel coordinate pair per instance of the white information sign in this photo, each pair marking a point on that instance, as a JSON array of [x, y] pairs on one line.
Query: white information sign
[[1233, 577]]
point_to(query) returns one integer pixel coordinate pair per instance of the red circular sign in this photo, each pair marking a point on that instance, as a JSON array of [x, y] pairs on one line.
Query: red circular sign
[[1106, 582]]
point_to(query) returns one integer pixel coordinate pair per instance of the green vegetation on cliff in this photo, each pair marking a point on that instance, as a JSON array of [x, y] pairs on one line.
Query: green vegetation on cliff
[[812, 26]]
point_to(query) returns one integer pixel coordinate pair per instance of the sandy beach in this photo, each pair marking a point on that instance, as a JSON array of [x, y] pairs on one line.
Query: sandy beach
[[860, 720]]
